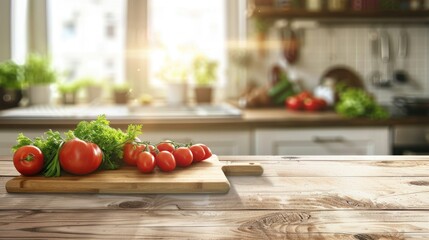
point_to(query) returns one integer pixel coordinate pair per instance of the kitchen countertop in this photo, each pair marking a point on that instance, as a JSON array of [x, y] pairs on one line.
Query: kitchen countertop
[[297, 197], [260, 117]]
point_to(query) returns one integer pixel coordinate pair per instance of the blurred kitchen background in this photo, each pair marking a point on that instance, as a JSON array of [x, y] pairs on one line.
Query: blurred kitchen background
[[130, 41], [117, 42], [102, 53]]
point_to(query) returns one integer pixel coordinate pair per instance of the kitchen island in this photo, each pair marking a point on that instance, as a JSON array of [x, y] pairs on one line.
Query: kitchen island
[[297, 197]]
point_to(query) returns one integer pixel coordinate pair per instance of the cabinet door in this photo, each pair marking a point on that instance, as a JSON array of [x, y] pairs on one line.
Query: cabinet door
[[234, 142], [323, 141]]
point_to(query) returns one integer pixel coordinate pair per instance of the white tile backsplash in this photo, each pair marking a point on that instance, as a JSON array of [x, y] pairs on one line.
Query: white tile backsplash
[[326, 46]]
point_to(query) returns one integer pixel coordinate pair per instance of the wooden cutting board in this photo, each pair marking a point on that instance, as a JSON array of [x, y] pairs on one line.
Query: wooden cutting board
[[203, 177]]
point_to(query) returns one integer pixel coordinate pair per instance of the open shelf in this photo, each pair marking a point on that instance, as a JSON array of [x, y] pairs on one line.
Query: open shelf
[[399, 16]]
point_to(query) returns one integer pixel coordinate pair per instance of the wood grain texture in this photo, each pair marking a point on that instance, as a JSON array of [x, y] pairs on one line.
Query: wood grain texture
[[260, 193], [297, 197], [299, 224]]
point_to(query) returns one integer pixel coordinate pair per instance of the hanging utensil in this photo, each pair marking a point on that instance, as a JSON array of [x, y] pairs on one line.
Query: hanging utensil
[[385, 58], [375, 76], [401, 75], [290, 44]]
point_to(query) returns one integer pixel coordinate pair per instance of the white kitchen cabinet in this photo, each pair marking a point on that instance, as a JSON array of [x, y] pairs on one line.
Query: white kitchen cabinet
[[221, 142], [259, 141], [323, 141]]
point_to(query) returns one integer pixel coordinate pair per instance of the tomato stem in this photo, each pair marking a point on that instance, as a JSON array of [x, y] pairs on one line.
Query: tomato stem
[[133, 141], [29, 157]]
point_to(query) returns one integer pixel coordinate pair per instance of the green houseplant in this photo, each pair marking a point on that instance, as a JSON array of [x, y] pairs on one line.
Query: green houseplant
[[175, 74], [121, 93], [39, 76], [69, 91], [10, 84], [205, 75], [93, 88]]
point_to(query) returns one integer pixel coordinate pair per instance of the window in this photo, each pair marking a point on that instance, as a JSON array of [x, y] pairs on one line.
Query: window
[[179, 30], [97, 38], [19, 31], [86, 38]]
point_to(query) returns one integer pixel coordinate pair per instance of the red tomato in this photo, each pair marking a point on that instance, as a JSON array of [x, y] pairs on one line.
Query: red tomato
[[183, 156], [322, 102], [304, 95], [197, 152], [314, 104], [146, 162], [28, 160], [294, 103], [80, 157], [165, 146], [131, 152], [165, 161], [207, 151]]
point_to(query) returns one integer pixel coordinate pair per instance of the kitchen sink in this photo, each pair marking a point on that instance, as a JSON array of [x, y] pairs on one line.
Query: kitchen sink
[[124, 111]]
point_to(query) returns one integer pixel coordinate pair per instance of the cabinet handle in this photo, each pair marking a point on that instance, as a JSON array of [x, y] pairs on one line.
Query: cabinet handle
[[337, 139]]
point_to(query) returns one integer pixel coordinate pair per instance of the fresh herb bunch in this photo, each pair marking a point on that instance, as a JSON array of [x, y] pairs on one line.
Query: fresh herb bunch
[[355, 102], [49, 144], [109, 140]]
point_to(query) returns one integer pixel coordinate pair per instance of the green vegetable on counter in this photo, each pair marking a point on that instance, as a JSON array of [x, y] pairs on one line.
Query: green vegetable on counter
[[109, 140], [355, 102], [282, 90]]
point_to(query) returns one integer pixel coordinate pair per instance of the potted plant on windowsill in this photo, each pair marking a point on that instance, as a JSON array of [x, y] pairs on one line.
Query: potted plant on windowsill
[[121, 93], [39, 76], [175, 74], [93, 89], [10, 84], [69, 92], [204, 73]]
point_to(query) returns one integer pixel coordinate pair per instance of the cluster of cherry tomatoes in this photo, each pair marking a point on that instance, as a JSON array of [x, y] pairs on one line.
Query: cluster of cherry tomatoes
[[305, 101], [165, 155]]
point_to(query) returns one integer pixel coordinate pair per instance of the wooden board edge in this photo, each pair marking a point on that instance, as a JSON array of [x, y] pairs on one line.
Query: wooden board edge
[[243, 169], [17, 185]]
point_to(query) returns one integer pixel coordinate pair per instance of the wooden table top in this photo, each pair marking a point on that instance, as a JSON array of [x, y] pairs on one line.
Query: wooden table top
[[305, 197]]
